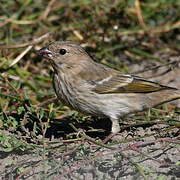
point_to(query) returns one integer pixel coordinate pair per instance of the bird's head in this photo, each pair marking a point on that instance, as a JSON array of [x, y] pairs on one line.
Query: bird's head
[[64, 54]]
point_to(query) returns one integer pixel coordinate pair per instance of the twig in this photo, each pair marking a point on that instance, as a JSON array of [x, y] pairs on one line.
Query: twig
[[30, 45], [48, 101], [174, 64], [20, 56], [139, 15], [78, 35], [47, 10], [24, 22], [166, 28], [82, 134], [35, 41]]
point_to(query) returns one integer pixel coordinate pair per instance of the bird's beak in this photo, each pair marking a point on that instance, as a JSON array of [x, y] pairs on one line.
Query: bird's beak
[[44, 52]]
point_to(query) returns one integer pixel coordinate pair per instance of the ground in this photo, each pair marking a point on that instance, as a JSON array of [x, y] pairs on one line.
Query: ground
[[40, 138]]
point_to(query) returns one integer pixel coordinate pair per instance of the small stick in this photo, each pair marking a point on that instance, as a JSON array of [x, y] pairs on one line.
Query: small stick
[[139, 15], [20, 56], [47, 10], [35, 41]]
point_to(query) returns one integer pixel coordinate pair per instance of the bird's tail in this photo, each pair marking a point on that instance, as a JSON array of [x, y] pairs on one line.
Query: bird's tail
[[164, 96]]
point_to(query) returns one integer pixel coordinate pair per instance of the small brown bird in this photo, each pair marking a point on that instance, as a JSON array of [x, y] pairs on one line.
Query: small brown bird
[[95, 89]]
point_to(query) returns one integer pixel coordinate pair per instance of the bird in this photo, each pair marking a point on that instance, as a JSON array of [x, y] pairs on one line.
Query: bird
[[96, 89]]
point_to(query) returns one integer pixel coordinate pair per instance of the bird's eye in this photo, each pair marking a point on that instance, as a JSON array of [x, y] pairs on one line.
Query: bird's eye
[[62, 51]]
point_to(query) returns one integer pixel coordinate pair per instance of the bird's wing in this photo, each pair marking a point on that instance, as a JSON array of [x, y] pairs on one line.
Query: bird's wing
[[126, 84]]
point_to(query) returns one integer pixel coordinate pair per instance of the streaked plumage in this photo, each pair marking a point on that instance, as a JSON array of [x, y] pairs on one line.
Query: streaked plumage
[[96, 89]]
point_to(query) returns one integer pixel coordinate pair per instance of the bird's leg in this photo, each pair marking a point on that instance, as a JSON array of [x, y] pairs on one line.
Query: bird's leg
[[114, 130]]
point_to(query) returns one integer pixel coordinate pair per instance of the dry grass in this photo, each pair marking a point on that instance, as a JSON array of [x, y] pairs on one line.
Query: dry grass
[[42, 139]]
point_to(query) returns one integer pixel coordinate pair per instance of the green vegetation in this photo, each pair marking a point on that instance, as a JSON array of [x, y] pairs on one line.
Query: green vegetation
[[123, 34]]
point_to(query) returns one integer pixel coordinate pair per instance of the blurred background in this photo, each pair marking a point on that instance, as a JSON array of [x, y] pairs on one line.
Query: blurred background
[[133, 36]]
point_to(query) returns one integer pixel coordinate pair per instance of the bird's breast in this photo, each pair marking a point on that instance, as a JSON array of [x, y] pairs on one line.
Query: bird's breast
[[76, 94]]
